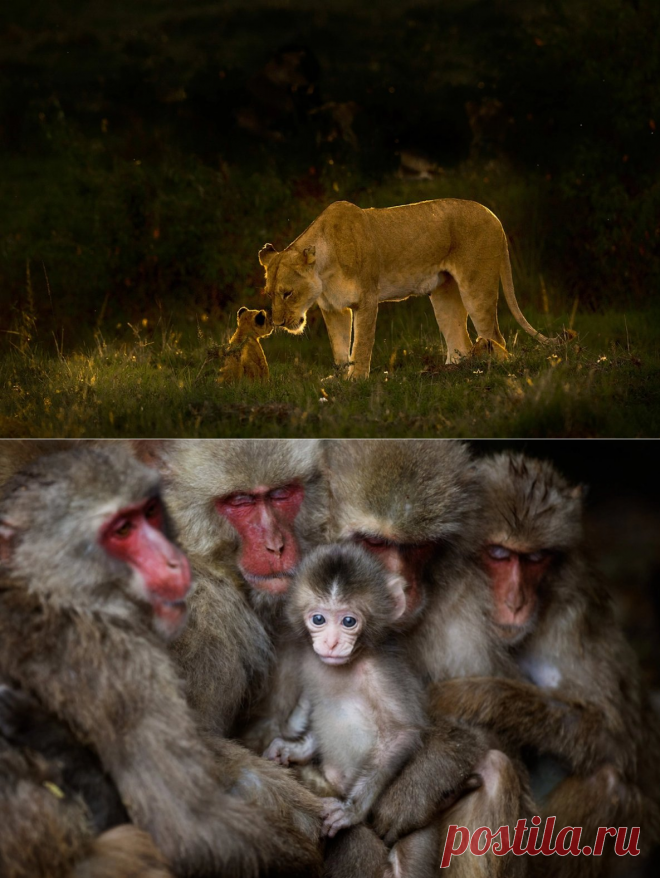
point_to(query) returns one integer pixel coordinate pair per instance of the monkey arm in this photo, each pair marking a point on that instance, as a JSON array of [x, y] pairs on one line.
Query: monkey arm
[[26, 725], [114, 687], [431, 780], [390, 755], [576, 731], [292, 752], [223, 652], [295, 749], [273, 715]]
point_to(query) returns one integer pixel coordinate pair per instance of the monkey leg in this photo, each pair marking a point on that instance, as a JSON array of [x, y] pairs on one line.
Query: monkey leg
[[123, 852], [431, 781], [500, 801], [269, 786], [602, 799], [357, 850], [451, 314], [416, 855]]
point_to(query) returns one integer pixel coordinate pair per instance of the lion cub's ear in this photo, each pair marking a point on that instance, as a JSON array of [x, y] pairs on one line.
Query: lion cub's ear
[[309, 255], [239, 312], [266, 254]]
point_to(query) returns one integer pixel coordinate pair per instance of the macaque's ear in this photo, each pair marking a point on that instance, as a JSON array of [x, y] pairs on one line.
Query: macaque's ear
[[154, 453], [309, 255], [397, 587], [239, 312], [579, 492], [266, 254], [8, 534]]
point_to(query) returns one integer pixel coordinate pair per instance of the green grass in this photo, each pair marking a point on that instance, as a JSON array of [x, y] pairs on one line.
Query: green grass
[[151, 380]]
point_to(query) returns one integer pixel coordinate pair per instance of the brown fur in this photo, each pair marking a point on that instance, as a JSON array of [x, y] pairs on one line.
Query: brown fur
[[412, 492], [62, 606], [594, 715], [227, 650], [243, 354], [47, 834]]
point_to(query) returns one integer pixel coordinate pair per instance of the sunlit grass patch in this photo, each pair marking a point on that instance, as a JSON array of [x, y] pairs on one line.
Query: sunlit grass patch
[[156, 380]]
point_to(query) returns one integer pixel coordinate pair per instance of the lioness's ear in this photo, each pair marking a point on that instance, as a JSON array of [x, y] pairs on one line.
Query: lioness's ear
[[239, 312], [309, 255], [266, 254]]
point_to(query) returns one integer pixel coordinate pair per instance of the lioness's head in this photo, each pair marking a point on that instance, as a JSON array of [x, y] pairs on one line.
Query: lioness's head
[[253, 324], [292, 283]]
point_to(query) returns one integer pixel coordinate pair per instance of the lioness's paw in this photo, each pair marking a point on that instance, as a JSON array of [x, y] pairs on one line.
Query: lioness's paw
[[489, 348], [355, 374]]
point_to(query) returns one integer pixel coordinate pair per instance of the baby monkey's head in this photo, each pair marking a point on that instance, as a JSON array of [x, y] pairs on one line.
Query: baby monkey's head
[[346, 600]]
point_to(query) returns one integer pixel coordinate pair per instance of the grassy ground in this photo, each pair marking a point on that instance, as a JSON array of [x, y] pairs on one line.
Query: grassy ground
[[156, 383]]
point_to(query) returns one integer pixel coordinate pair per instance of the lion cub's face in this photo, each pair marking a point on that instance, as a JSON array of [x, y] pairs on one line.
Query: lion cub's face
[[253, 324], [292, 283]]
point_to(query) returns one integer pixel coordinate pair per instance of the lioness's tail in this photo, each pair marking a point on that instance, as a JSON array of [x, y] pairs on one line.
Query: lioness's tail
[[509, 294]]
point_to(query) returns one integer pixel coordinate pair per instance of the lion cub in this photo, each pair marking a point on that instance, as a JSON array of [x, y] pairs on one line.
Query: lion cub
[[243, 354]]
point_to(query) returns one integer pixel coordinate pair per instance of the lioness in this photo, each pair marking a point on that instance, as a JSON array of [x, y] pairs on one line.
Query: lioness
[[349, 259]]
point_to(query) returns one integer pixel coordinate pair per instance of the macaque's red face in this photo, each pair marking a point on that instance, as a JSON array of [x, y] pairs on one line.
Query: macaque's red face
[[515, 579], [406, 560], [161, 572], [334, 631], [264, 520]]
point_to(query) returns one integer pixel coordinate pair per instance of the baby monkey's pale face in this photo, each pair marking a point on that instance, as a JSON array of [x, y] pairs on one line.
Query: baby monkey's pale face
[[334, 630]]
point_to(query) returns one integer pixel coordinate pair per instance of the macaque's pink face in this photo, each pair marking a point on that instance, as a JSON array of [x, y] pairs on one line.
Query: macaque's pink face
[[264, 519], [334, 631], [515, 579], [406, 560], [161, 574]]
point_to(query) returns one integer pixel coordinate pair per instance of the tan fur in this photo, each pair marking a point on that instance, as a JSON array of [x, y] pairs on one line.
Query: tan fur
[[243, 354], [487, 348], [349, 260]]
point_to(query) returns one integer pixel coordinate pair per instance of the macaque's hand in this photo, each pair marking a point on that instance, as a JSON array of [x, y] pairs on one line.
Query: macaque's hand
[[280, 751], [337, 815]]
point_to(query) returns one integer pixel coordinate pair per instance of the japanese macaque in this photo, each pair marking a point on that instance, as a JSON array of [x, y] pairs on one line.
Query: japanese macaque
[[90, 584], [26, 725], [578, 697], [362, 709], [415, 505], [246, 511], [46, 832]]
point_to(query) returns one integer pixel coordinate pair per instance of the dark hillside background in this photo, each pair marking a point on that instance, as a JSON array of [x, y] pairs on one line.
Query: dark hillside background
[[148, 148]]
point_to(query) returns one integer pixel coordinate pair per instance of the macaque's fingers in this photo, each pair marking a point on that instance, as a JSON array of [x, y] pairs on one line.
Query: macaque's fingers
[[336, 815], [277, 751], [332, 826], [330, 805]]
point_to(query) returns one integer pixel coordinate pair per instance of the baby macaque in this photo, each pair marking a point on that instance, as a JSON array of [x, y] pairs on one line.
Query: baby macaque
[[361, 711], [243, 355]]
